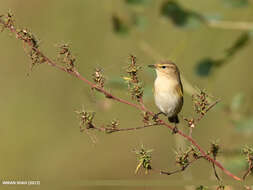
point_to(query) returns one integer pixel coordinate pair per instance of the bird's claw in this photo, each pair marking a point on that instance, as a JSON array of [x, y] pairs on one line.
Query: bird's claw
[[155, 117], [175, 130]]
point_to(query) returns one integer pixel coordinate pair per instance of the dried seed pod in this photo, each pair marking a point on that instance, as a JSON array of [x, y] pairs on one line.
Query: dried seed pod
[[98, 77]]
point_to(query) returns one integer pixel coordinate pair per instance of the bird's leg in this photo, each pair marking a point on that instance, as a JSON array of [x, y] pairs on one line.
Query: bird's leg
[[175, 129], [155, 117], [175, 120]]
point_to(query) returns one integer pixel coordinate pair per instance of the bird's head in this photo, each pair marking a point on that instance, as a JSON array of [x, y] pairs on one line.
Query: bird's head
[[166, 68]]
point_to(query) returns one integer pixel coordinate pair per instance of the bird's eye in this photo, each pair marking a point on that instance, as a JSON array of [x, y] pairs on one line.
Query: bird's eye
[[163, 67]]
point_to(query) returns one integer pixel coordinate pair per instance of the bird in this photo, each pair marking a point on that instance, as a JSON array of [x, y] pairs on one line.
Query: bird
[[168, 91]]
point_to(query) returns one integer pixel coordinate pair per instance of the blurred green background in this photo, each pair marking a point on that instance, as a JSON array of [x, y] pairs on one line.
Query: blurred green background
[[40, 137]]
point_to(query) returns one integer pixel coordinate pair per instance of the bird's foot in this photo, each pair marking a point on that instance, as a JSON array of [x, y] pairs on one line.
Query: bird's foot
[[175, 130], [155, 117]]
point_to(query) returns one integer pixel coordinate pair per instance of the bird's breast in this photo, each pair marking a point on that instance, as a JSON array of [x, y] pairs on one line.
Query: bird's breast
[[166, 96]]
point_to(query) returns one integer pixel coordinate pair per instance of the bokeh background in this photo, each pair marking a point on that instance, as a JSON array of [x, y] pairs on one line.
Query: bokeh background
[[40, 137]]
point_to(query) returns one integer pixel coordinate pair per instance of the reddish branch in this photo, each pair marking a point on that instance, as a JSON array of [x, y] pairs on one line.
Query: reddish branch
[[140, 106], [112, 130]]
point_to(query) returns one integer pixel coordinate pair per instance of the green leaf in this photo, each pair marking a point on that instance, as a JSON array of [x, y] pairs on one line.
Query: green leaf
[[119, 26], [245, 125], [205, 66], [140, 21], [216, 17], [238, 44], [137, 2], [175, 12], [237, 101], [193, 22], [148, 93], [201, 187], [236, 3], [116, 83], [180, 16], [235, 164]]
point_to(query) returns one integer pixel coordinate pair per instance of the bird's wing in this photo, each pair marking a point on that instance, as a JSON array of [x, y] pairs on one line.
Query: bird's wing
[[179, 89]]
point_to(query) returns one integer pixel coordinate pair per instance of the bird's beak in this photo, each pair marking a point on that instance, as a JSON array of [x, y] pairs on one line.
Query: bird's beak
[[152, 66]]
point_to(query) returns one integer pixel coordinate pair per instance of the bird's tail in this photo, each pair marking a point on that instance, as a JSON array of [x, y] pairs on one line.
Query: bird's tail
[[173, 119]]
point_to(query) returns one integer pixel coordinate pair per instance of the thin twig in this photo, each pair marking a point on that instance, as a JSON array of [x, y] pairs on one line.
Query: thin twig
[[208, 109], [112, 130], [181, 169], [249, 170], [215, 172]]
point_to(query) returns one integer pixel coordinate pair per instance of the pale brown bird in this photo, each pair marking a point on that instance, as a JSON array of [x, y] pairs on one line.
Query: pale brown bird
[[168, 91]]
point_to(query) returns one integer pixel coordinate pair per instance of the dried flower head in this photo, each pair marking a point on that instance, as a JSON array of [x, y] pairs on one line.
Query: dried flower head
[[146, 118], [190, 122], [65, 56], [28, 37], [98, 77], [183, 158], [200, 102], [7, 21], [86, 119], [215, 148], [112, 127], [143, 159], [134, 85], [248, 152]]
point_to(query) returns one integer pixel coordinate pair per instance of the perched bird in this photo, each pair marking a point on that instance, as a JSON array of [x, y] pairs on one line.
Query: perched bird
[[168, 91]]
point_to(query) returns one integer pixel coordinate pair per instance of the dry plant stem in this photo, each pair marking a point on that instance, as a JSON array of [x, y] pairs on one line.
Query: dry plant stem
[[103, 129], [181, 169], [190, 131], [248, 171], [215, 172], [208, 109], [109, 95]]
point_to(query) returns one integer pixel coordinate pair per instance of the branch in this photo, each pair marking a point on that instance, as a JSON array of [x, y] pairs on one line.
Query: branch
[[234, 25], [250, 168], [113, 130], [215, 172], [249, 156], [44, 59], [208, 109], [181, 169]]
